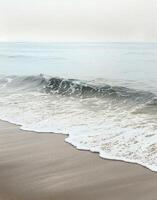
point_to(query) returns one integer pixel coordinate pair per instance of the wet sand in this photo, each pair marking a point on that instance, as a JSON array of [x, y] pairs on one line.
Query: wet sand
[[43, 167]]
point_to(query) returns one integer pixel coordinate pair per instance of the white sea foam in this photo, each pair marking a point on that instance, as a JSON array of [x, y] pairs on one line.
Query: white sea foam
[[112, 128]]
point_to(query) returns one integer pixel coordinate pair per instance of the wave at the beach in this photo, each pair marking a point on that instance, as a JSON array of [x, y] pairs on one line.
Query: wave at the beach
[[116, 121]]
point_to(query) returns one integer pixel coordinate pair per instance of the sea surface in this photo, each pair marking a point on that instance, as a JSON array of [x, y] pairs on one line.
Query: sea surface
[[102, 95]]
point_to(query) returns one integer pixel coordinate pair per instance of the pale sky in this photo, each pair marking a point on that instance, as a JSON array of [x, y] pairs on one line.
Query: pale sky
[[78, 20]]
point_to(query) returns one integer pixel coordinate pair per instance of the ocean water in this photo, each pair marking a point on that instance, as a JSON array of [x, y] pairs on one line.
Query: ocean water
[[102, 95]]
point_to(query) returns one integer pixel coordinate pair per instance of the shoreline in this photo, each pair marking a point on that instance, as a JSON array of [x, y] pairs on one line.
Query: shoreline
[[66, 135], [44, 166]]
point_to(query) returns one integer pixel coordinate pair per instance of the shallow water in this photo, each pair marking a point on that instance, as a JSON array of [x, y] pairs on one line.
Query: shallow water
[[104, 95]]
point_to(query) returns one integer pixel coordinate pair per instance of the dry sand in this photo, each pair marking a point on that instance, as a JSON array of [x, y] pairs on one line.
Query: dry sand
[[42, 166]]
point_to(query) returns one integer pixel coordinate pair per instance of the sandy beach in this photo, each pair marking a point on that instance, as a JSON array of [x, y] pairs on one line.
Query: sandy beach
[[42, 166]]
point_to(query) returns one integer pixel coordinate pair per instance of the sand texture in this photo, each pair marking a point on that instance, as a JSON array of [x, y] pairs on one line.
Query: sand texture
[[43, 167]]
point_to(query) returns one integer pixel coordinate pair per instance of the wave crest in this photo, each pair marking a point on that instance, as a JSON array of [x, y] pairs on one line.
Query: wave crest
[[73, 87]]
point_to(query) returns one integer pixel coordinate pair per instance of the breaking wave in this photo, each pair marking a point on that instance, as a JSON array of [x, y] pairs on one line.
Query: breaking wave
[[116, 121]]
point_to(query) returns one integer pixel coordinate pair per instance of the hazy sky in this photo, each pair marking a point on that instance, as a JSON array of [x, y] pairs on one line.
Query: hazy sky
[[78, 20]]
